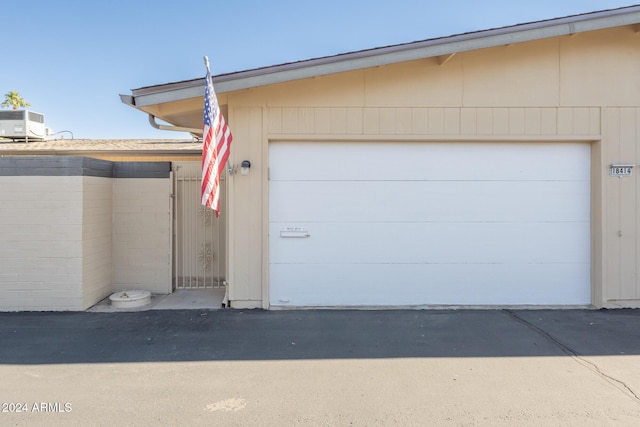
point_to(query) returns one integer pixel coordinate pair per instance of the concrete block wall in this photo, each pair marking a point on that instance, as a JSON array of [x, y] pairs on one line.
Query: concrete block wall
[[141, 234], [40, 243], [59, 219], [96, 239]]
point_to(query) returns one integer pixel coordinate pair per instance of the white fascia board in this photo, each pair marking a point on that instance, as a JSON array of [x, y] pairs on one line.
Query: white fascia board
[[610, 21], [171, 95], [393, 54]]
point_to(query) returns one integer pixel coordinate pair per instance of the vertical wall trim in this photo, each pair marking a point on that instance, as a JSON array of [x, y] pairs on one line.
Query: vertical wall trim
[[231, 223], [265, 210], [597, 224], [172, 195]]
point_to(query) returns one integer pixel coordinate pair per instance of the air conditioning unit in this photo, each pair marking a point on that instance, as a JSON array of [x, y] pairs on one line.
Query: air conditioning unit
[[22, 125]]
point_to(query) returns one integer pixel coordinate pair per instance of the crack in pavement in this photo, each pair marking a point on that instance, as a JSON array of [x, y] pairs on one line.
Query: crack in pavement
[[619, 384]]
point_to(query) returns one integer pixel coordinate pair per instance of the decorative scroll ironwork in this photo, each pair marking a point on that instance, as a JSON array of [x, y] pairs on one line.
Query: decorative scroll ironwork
[[205, 215], [205, 256]]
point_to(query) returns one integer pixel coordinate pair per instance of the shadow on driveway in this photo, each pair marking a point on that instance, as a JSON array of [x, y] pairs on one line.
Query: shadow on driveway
[[195, 335]]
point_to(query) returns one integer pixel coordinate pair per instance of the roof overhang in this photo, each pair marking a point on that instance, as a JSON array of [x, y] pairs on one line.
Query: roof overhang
[[165, 93]]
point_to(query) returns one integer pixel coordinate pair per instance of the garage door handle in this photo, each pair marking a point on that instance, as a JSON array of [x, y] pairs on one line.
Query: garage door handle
[[294, 234]]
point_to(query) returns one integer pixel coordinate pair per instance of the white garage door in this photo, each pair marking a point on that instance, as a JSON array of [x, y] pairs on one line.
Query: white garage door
[[371, 224]]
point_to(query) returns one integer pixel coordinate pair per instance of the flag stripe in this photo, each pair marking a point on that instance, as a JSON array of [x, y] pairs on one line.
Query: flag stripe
[[216, 147]]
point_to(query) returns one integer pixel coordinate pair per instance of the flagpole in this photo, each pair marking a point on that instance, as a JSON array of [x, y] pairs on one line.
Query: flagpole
[[206, 64]]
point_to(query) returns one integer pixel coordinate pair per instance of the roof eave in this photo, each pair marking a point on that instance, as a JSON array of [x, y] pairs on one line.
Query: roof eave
[[387, 55]]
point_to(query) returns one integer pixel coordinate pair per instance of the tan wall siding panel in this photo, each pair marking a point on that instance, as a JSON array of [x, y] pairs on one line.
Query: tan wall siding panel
[[404, 121], [549, 121], [290, 120], [306, 120], [622, 210], [518, 75], [339, 120], [323, 120], [141, 234], [421, 83], [516, 121], [437, 120], [317, 91], [628, 205], [595, 120], [40, 243], [637, 214], [500, 119], [532, 121], [581, 125], [246, 210], [274, 121], [355, 121], [451, 121], [595, 68], [468, 121], [611, 240], [387, 121], [420, 120], [565, 121], [371, 118], [484, 120], [96, 239], [637, 205]]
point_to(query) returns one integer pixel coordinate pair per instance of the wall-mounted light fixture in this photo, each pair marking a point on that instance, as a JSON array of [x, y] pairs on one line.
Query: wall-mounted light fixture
[[244, 167]]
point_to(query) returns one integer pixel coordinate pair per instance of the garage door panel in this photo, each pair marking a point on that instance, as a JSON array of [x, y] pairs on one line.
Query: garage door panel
[[381, 285], [405, 243], [428, 161], [425, 223], [428, 201]]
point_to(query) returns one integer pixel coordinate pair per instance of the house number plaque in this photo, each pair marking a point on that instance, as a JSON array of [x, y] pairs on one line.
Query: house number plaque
[[620, 170]]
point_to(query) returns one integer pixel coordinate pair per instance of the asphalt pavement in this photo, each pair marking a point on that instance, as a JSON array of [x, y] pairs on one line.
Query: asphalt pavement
[[321, 367]]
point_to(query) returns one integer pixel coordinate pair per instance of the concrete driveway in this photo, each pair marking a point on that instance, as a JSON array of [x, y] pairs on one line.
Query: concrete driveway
[[227, 367]]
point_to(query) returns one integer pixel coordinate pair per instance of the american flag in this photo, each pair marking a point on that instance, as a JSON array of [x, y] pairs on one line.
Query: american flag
[[215, 151]]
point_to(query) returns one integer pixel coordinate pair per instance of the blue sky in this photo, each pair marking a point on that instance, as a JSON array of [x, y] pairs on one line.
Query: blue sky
[[70, 59]]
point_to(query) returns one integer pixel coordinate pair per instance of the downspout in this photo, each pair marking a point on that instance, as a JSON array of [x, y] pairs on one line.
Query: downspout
[[152, 122]]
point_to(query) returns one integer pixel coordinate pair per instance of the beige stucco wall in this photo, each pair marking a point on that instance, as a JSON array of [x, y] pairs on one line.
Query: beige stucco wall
[[583, 87], [141, 247], [41, 236]]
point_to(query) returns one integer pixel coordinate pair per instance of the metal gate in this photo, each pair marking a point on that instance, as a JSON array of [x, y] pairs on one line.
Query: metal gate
[[199, 238]]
